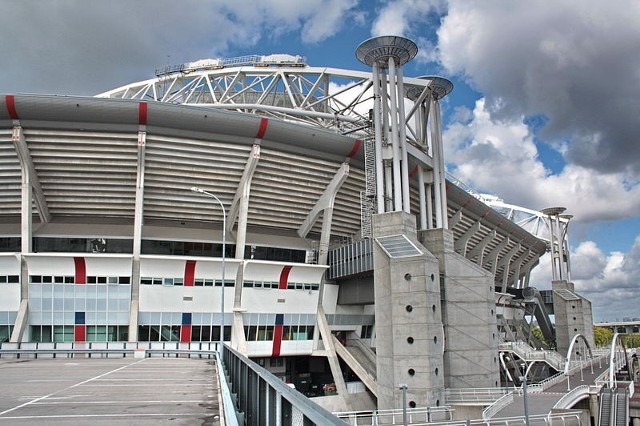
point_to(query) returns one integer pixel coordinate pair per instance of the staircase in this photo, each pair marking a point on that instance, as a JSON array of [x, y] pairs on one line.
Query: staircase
[[358, 363]]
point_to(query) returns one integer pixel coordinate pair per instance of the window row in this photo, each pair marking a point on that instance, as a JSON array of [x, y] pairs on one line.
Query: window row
[[9, 279], [198, 282], [66, 333], [274, 284], [289, 332], [158, 247], [171, 333], [69, 279]]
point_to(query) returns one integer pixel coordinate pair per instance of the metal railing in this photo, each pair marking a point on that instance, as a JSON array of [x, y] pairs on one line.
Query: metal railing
[[31, 350], [573, 396], [498, 405], [474, 395], [264, 399], [415, 416]]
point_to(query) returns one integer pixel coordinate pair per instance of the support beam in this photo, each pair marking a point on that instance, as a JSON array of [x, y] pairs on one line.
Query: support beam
[[457, 216], [29, 171], [505, 261], [138, 221], [239, 208], [461, 244], [494, 254], [325, 201], [479, 249]]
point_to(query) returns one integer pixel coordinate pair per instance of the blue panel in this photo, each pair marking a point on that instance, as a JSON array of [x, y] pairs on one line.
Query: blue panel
[[279, 319], [186, 318], [79, 318]]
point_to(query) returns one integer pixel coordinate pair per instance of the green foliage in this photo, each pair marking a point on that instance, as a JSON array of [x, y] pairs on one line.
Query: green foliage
[[602, 336], [631, 340]]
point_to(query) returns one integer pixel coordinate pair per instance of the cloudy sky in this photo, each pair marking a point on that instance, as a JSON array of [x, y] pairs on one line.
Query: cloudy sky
[[545, 110]]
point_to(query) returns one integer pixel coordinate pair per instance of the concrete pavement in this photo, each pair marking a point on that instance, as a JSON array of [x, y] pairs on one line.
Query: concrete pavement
[[108, 391]]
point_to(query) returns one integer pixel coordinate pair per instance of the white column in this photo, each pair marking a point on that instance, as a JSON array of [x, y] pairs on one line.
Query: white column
[[377, 113], [395, 142], [406, 201]]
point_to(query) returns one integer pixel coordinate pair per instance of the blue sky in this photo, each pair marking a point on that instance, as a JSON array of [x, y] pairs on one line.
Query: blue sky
[[544, 111]]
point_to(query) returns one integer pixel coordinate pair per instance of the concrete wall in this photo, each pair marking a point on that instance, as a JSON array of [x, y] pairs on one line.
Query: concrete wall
[[409, 342], [571, 317], [468, 314]]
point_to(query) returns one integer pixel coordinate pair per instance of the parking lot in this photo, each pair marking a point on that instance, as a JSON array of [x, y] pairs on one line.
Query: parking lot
[[108, 391]]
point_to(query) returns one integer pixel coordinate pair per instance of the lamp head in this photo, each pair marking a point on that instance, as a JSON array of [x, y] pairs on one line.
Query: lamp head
[[196, 189]]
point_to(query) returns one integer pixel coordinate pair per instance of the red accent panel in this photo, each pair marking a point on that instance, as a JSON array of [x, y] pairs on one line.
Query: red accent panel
[[80, 333], [189, 273], [11, 106], [264, 123], [277, 340], [284, 278], [356, 147], [414, 171], [142, 113], [185, 333], [81, 270]]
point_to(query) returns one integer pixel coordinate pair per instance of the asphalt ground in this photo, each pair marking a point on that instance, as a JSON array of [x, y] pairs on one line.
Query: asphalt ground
[[108, 391]]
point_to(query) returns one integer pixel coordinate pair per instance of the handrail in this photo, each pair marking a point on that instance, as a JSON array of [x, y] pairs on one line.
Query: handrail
[[571, 397], [494, 408], [247, 378], [478, 395]]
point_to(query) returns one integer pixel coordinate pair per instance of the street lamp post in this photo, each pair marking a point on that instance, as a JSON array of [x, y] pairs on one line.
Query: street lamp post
[[224, 252], [523, 379], [403, 388]]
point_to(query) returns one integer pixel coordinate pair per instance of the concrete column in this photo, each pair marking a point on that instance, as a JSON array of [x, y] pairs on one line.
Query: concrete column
[[138, 220], [409, 340]]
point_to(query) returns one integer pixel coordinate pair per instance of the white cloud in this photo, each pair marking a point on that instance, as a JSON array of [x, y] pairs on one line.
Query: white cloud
[[77, 47], [404, 17], [500, 157], [574, 62], [608, 281]]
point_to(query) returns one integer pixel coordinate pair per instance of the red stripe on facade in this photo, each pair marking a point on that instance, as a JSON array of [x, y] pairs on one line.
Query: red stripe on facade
[[11, 106], [80, 270], [80, 333], [284, 278], [356, 147], [277, 340], [264, 123], [185, 333], [142, 113], [189, 273]]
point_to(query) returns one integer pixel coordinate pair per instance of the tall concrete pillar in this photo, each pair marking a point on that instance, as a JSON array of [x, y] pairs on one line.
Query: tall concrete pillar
[[409, 339], [468, 315]]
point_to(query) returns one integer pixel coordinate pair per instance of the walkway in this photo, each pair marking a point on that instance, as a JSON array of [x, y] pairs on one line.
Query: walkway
[[543, 402]]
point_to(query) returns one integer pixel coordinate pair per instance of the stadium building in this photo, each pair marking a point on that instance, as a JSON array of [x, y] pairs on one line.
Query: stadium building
[[301, 214]]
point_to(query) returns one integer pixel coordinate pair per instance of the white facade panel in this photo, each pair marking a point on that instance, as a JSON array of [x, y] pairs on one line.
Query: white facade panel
[[158, 298], [172, 267], [280, 301], [256, 270], [9, 264]]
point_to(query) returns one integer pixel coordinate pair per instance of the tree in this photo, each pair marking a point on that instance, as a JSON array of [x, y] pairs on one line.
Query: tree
[[602, 336]]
